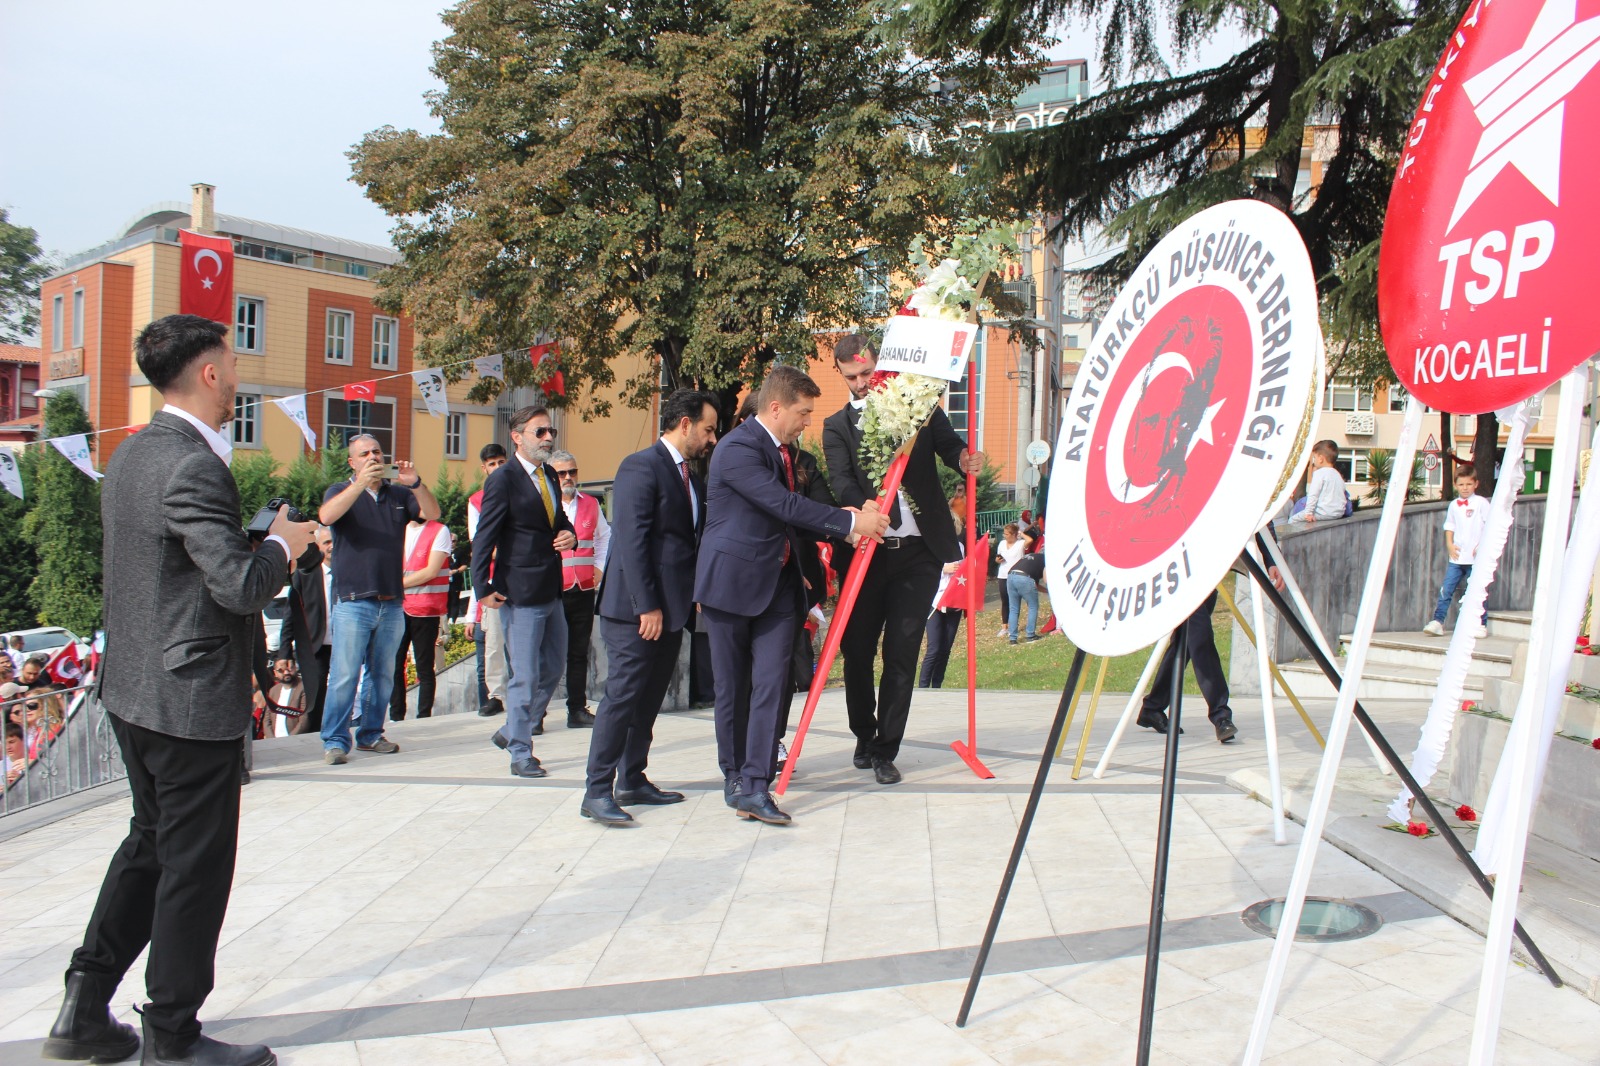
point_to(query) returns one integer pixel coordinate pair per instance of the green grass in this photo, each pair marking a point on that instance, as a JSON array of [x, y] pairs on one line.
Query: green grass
[[1044, 664]]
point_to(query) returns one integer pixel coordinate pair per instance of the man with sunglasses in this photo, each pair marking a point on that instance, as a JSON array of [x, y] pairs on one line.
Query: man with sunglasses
[[580, 573], [523, 529]]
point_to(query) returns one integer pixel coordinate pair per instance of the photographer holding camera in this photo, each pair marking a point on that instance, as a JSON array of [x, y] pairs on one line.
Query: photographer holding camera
[[184, 589], [368, 515]]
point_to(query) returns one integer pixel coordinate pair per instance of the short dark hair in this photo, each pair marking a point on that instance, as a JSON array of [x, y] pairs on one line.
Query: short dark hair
[[523, 415], [14, 730], [849, 349], [786, 384], [747, 407], [37, 659], [1467, 471], [1328, 449], [166, 347], [686, 403], [491, 451]]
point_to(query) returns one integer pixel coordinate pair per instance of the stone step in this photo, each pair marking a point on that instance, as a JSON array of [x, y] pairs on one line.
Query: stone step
[[1491, 656], [1512, 625], [1382, 681], [1579, 717]]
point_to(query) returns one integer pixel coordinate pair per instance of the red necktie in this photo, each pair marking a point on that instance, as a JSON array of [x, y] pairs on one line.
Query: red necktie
[[683, 468], [788, 473]]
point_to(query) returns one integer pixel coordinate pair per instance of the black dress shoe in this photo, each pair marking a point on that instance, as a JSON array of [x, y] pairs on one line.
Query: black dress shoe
[[1156, 720], [581, 720], [731, 792], [861, 761], [604, 810], [758, 806], [491, 708], [85, 1028], [1226, 730], [500, 740], [528, 767], [203, 1051], [538, 729], [646, 794], [884, 772]]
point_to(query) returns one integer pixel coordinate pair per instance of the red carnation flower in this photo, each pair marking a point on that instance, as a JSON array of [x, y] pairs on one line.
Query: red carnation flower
[[1417, 829], [1468, 705], [1583, 642], [1466, 814], [1595, 743], [880, 378]]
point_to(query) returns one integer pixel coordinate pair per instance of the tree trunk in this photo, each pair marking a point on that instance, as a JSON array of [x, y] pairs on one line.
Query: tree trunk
[[1486, 451]]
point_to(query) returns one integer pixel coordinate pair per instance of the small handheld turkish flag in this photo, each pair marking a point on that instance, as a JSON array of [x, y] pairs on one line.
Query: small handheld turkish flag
[[555, 382], [362, 390], [205, 276], [64, 666], [958, 588]]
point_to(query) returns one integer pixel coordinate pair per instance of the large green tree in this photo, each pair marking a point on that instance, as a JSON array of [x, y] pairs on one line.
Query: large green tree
[[701, 182], [22, 267], [64, 526], [1155, 147], [16, 548]]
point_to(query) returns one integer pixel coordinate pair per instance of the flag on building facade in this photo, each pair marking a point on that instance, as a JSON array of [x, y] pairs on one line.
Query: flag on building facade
[[295, 408], [554, 382], [205, 276], [76, 449]]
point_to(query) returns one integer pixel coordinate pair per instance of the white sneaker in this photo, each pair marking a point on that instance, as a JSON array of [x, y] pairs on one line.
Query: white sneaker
[[1433, 628], [1003, 632], [1481, 631]]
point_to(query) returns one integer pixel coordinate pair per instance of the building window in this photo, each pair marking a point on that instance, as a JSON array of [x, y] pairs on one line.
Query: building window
[[1352, 464], [384, 331], [249, 325], [955, 397], [77, 318], [874, 284], [246, 420], [347, 418], [1343, 394], [58, 324], [1397, 397], [455, 435], [336, 345]]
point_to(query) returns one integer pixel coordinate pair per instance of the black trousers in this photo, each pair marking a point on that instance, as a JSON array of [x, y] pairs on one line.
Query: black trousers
[[637, 674], [893, 608], [311, 721], [578, 605], [168, 883], [751, 657], [942, 629], [420, 636], [1005, 602], [1206, 662]]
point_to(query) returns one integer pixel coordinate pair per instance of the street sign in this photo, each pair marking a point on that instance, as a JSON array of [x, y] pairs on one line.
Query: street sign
[[1038, 452]]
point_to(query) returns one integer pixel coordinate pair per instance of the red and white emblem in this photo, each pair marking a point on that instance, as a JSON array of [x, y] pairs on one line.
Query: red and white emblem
[[1186, 413], [1485, 262]]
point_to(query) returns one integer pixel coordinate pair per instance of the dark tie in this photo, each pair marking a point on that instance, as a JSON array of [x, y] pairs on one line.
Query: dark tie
[[683, 468], [788, 473]]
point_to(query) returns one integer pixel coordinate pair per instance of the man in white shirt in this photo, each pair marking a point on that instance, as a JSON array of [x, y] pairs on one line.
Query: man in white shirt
[[581, 568]]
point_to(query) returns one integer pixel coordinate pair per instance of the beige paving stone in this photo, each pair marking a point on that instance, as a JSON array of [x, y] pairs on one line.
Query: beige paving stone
[[612, 1041]]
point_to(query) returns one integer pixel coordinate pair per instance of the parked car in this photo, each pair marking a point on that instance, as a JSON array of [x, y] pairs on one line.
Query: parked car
[[48, 639]]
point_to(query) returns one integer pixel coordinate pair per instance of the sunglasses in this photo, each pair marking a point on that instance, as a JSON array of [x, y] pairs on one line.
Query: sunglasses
[[545, 433], [564, 474]]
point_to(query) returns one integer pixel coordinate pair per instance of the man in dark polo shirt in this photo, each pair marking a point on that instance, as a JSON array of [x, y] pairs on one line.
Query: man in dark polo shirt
[[368, 516]]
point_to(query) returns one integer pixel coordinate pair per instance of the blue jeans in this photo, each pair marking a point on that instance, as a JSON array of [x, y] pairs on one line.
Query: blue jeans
[[536, 646], [366, 633], [1455, 575], [1020, 589]]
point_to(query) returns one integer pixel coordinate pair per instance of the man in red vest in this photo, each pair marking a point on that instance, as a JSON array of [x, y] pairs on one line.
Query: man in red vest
[[426, 582], [484, 626], [580, 575]]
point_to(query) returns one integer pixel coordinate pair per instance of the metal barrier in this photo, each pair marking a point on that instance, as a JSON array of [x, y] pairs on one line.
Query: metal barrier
[[67, 746], [991, 520]]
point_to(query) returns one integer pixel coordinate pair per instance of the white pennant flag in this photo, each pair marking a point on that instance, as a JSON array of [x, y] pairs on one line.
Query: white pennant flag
[[10, 476], [295, 408], [76, 449], [491, 366], [431, 384]]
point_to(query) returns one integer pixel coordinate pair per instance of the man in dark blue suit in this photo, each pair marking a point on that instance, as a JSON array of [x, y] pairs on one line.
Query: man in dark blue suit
[[523, 530], [646, 596], [748, 581]]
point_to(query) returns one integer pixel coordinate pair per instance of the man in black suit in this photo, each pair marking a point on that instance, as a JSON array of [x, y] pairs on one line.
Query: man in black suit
[[899, 588], [748, 581], [184, 589], [646, 598], [304, 638], [523, 530]]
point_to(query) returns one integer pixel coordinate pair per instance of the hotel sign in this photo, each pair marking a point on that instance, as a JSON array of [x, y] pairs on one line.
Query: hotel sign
[[66, 364]]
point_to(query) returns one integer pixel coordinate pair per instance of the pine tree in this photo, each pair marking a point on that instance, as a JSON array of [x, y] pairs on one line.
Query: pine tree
[[64, 526], [16, 548]]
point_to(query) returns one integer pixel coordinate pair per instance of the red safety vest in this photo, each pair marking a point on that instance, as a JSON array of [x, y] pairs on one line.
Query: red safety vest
[[577, 566], [430, 600]]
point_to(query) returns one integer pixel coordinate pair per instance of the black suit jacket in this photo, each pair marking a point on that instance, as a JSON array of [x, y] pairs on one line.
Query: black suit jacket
[[515, 534], [650, 564], [301, 638], [841, 443]]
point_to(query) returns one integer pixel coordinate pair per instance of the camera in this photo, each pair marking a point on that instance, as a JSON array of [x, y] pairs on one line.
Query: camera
[[261, 524]]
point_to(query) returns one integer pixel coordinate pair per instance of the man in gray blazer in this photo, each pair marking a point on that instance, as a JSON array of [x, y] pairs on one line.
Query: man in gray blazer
[[184, 589]]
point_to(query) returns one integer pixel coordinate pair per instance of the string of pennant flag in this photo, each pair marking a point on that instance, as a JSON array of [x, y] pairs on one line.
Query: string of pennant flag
[[430, 382]]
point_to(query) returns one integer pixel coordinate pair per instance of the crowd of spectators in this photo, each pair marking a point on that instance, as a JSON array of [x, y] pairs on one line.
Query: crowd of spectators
[[33, 705]]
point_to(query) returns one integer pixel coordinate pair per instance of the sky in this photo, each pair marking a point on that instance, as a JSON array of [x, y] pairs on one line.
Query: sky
[[111, 106]]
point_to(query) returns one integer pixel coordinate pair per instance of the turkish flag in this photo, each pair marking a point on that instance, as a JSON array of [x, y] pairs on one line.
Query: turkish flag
[[64, 666], [205, 276], [362, 390], [543, 353], [958, 588]]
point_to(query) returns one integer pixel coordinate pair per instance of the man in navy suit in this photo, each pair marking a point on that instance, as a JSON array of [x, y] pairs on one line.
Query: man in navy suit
[[523, 530], [749, 585], [646, 596]]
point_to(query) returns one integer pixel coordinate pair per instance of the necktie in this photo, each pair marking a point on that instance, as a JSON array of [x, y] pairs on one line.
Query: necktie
[[683, 468], [544, 493], [788, 473]]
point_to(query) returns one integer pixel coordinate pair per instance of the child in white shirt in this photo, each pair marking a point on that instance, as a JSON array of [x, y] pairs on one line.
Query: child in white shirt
[[1464, 522], [1325, 495]]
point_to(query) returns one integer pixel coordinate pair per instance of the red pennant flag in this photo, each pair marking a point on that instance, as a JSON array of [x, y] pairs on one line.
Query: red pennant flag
[[64, 666], [957, 588], [362, 390], [546, 353], [205, 276]]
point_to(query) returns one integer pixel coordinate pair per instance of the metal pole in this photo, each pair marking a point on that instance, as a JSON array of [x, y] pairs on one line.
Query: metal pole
[[1158, 889]]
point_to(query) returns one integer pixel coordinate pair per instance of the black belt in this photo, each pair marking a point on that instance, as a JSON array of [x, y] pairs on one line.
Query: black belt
[[895, 543]]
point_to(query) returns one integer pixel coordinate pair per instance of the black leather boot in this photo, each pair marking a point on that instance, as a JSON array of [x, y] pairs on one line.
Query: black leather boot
[[202, 1051], [85, 1029]]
